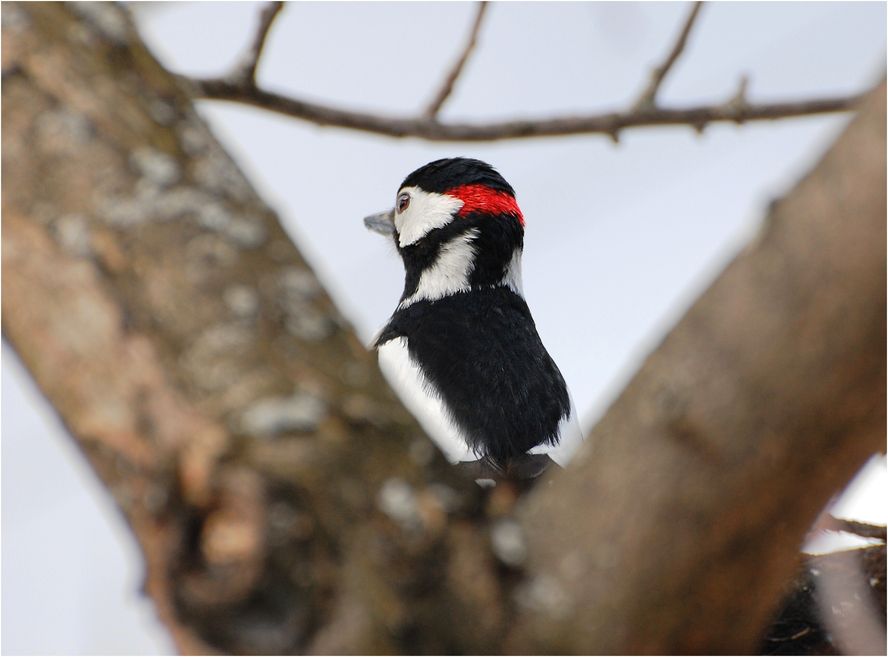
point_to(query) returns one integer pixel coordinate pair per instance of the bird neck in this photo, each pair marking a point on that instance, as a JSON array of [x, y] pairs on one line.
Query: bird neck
[[472, 256]]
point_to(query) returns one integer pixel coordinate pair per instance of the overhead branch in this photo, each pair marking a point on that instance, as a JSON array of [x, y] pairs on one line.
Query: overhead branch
[[609, 124], [240, 87], [246, 71], [648, 97], [450, 80]]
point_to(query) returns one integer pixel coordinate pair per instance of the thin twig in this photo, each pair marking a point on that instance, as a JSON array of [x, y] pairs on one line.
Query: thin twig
[[739, 99], [247, 70], [862, 529], [648, 97], [610, 124], [449, 81]]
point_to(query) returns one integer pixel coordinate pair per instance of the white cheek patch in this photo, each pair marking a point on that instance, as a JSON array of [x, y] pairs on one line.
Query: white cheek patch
[[451, 271], [426, 212]]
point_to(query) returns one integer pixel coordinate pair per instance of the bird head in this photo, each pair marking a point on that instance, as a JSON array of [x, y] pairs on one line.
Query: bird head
[[456, 225]]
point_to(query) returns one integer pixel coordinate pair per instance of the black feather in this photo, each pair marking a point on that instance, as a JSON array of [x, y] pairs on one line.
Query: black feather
[[481, 351], [441, 175]]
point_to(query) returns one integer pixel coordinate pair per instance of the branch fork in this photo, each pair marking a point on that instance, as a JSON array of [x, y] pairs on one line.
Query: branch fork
[[245, 73]]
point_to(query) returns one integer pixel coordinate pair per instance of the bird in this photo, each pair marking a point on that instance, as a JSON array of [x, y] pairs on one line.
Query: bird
[[461, 348]]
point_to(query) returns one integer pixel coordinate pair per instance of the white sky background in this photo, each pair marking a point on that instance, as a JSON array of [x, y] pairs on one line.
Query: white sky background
[[620, 239]]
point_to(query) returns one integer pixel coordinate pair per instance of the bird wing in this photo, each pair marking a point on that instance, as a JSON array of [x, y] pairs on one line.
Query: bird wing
[[421, 399]]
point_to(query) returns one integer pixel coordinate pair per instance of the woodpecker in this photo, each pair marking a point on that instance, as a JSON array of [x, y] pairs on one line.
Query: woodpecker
[[461, 348]]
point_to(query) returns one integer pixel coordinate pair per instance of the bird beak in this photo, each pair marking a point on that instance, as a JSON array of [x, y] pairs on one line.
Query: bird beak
[[381, 222]]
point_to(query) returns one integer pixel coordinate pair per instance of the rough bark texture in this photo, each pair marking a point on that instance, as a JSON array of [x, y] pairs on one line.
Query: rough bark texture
[[273, 480], [284, 500]]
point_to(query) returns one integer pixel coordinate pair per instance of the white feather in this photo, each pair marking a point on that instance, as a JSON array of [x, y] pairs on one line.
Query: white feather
[[512, 278], [426, 212], [450, 272], [571, 438], [421, 399]]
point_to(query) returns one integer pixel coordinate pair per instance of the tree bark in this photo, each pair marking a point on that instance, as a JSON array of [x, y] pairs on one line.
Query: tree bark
[[275, 484], [756, 408], [285, 501]]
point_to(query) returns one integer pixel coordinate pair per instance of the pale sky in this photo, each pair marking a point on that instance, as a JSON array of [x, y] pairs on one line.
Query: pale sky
[[620, 238]]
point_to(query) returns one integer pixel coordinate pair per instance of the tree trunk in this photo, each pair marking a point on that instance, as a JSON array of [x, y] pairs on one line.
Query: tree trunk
[[273, 480], [285, 501]]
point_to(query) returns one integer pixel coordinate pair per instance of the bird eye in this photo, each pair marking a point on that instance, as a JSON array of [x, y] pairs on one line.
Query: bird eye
[[403, 202]]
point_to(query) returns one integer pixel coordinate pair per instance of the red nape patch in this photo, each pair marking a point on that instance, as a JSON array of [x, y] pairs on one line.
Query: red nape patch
[[481, 198]]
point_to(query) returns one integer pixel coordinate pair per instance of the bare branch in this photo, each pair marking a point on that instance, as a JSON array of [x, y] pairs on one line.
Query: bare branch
[[862, 529], [449, 81], [241, 87], [739, 100], [610, 124], [648, 98], [247, 70]]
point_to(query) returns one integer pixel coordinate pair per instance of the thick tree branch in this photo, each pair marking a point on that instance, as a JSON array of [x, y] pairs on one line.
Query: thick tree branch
[[450, 79], [722, 451], [277, 487], [648, 98]]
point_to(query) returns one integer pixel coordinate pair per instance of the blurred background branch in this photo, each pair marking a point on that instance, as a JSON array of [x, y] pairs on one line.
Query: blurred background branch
[[453, 74], [648, 98], [246, 74], [610, 124], [644, 113]]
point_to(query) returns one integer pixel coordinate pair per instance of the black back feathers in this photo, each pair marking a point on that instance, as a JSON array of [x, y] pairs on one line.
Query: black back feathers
[[482, 352]]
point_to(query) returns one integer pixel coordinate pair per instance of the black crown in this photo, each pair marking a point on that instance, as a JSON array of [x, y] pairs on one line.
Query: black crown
[[442, 175]]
